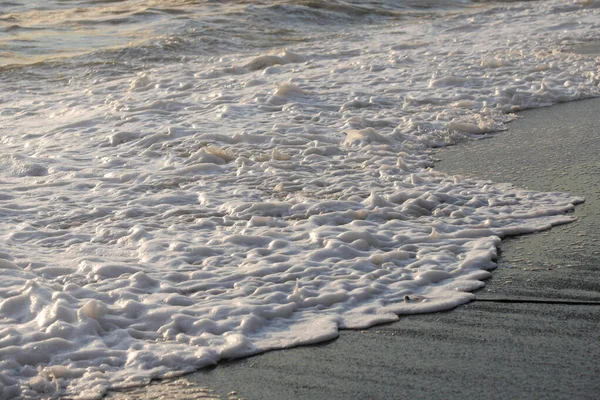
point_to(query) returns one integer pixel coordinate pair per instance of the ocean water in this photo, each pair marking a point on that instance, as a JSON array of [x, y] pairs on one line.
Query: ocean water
[[183, 182]]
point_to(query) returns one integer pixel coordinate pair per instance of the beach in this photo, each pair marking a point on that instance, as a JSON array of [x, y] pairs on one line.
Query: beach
[[534, 347], [368, 186]]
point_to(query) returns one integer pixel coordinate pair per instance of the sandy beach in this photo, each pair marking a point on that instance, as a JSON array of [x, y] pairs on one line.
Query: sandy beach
[[542, 342]]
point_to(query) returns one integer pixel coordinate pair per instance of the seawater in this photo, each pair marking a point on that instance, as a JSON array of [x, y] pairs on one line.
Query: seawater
[[186, 182]]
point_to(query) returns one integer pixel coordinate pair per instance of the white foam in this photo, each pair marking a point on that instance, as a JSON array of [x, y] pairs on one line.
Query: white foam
[[156, 222]]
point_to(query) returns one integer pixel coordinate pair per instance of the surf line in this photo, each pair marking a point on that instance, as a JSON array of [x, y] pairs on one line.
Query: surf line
[[539, 301]]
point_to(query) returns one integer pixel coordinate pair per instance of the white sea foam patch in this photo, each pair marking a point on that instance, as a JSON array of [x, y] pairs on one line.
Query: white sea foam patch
[[158, 222]]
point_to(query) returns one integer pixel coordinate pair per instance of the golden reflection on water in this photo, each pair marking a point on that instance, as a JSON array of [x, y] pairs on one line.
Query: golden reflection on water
[[41, 33], [48, 44]]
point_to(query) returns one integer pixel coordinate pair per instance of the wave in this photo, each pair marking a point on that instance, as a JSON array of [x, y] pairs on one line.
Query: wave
[[165, 206], [65, 30]]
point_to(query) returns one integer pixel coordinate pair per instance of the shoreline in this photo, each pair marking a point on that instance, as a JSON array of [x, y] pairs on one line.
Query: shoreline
[[545, 161], [513, 350]]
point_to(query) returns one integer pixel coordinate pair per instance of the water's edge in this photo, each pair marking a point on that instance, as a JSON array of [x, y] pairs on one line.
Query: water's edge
[[536, 265]]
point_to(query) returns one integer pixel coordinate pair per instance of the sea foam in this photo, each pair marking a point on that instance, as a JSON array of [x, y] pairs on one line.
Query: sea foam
[[158, 221]]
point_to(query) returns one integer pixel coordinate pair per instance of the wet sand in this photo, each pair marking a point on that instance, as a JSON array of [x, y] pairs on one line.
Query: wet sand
[[544, 344]]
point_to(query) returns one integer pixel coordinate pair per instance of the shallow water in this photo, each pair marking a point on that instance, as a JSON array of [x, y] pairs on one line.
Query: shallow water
[[189, 182], [35, 31]]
